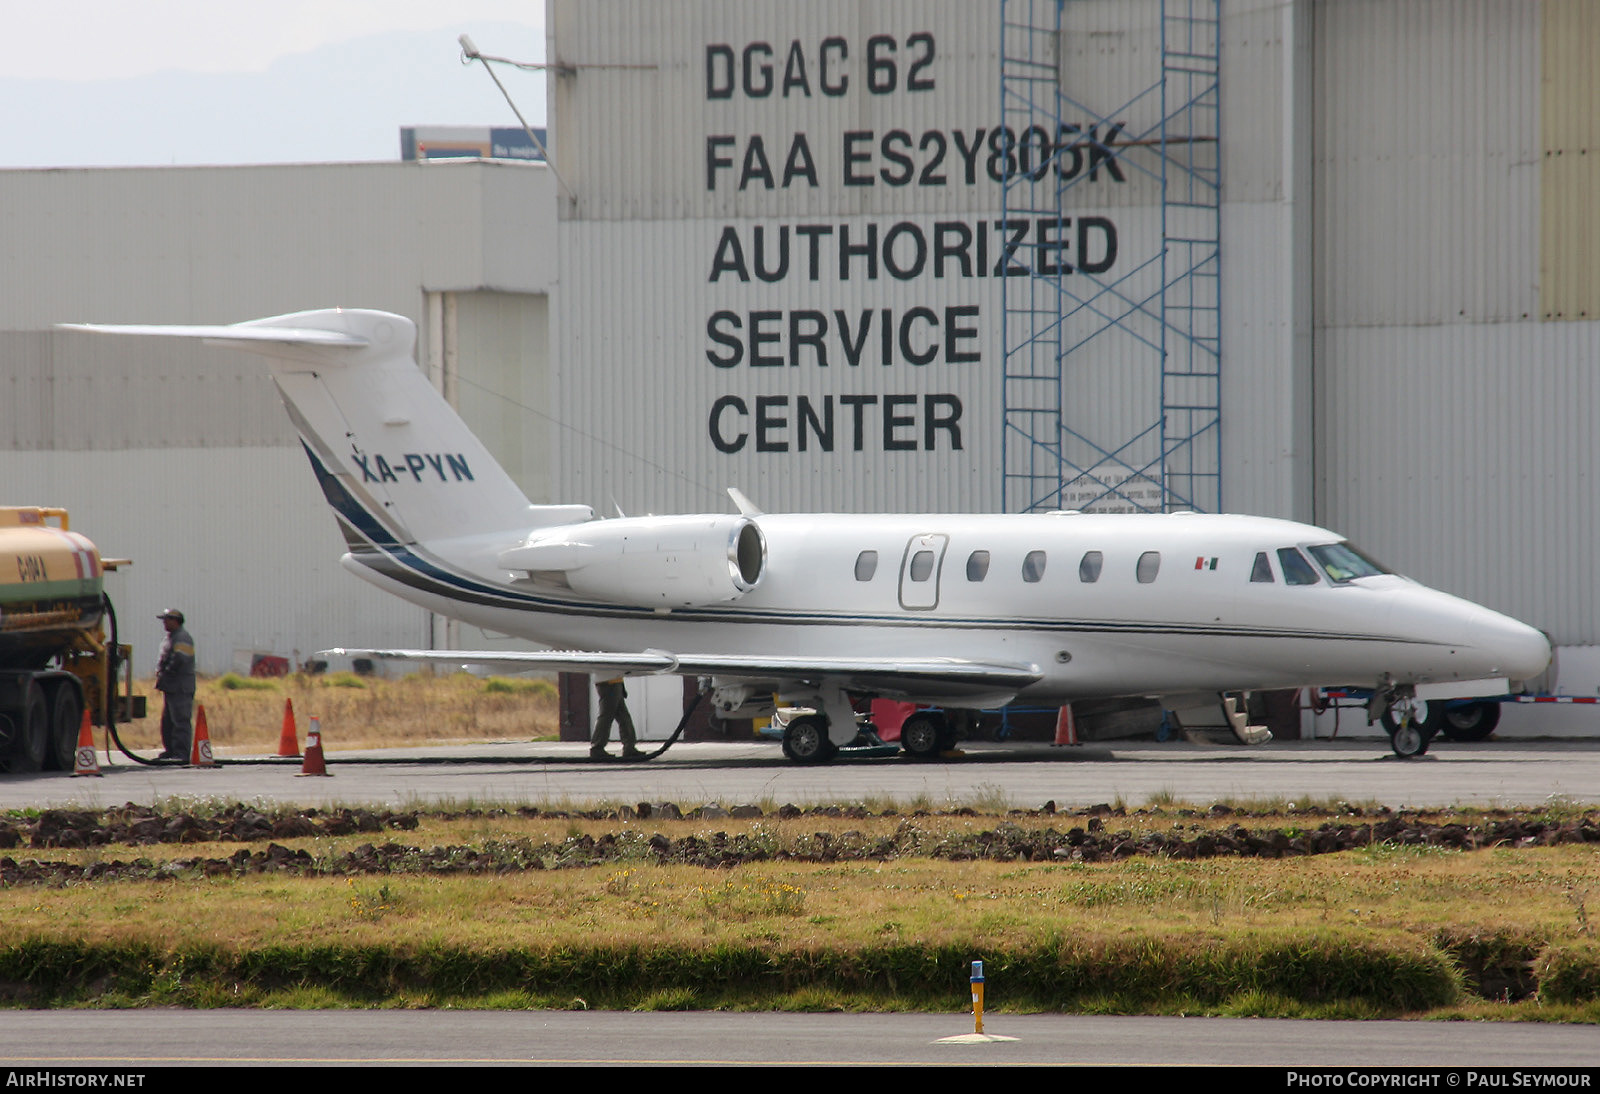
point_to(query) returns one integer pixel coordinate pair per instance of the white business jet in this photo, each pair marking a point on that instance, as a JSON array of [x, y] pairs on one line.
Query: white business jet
[[954, 611]]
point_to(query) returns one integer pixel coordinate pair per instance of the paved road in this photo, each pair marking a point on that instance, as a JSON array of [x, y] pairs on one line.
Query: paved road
[[1491, 773], [134, 1039]]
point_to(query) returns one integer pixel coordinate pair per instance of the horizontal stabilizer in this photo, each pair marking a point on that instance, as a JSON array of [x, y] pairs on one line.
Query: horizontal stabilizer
[[396, 463], [236, 332]]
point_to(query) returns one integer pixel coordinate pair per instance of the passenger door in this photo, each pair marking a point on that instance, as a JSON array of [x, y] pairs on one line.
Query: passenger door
[[919, 571]]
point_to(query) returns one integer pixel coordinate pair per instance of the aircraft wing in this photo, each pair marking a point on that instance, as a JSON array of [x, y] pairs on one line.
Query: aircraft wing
[[947, 678]]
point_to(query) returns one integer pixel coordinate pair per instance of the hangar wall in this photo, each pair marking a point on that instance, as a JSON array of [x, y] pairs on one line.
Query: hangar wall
[[1456, 331], [1408, 295], [180, 456], [805, 199], [733, 309], [1408, 303]]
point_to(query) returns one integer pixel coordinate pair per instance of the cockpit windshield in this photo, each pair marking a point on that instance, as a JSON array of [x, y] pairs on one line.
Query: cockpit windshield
[[1342, 562]]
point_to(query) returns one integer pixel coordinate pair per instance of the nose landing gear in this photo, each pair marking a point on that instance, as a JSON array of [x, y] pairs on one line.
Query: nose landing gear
[[1411, 724]]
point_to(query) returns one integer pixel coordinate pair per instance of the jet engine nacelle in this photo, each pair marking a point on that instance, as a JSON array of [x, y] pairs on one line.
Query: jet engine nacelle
[[679, 561]]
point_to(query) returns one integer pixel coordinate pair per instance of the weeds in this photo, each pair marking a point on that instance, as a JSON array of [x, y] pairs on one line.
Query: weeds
[[371, 904], [1399, 852], [246, 713], [669, 999], [232, 681], [989, 798], [500, 685], [1579, 898], [760, 896]]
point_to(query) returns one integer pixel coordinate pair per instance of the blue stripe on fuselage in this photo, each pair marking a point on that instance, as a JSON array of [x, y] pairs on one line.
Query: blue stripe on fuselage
[[401, 563]]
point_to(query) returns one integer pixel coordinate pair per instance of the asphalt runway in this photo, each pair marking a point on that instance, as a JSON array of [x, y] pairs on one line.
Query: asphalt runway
[[130, 1040], [1491, 773]]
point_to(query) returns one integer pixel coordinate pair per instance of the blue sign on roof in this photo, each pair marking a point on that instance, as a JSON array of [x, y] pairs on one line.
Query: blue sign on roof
[[435, 142]]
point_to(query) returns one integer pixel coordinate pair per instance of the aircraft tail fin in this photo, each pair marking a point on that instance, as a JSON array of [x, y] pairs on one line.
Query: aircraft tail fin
[[395, 461]]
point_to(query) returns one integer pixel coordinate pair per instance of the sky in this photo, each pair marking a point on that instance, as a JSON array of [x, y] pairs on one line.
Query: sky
[[162, 82]]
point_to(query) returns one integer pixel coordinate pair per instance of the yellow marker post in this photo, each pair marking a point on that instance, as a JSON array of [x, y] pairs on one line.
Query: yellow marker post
[[977, 996]]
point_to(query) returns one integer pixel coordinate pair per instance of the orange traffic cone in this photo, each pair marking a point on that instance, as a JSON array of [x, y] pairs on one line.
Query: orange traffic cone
[[83, 761], [1066, 727], [289, 739], [313, 764], [200, 754]]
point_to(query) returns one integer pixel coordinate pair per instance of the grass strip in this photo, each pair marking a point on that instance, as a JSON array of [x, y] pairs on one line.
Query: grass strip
[[521, 908], [1308, 975]]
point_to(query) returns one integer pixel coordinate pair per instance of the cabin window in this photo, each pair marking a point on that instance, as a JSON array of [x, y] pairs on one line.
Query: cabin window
[[866, 565], [1149, 567], [1342, 562], [921, 565], [1089, 567], [1033, 566], [977, 565], [1296, 570], [1262, 570]]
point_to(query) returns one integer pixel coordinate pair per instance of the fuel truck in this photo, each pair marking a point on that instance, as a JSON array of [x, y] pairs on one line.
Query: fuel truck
[[56, 659]]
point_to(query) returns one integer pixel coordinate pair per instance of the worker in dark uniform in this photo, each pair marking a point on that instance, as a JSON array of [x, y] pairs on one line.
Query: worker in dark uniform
[[175, 681], [613, 708]]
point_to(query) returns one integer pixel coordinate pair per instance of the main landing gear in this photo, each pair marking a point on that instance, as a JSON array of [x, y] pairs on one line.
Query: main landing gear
[[927, 735], [815, 736], [805, 740]]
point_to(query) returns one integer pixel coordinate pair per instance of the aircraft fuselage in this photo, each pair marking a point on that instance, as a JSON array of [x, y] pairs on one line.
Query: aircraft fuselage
[[1104, 605]]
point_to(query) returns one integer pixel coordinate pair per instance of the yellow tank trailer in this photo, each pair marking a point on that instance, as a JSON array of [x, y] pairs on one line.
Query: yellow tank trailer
[[55, 659]]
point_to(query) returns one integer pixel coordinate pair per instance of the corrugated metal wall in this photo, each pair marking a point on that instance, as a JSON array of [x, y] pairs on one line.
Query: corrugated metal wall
[[1393, 233], [1569, 226], [1267, 260], [1455, 429], [636, 377], [630, 121], [1428, 161], [696, 134], [1465, 455], [1408, 200], [180, 456]]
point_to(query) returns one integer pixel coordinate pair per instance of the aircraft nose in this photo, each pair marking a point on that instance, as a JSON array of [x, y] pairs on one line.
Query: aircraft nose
[[1522, 652]]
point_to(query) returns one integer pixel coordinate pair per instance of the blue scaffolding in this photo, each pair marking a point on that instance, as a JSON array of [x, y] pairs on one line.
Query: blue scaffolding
[[1082, 338]]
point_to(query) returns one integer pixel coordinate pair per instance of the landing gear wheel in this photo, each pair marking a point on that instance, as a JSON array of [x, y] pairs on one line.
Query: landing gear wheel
[[1424, 715], [1410, 740], [1411, 724], [1470, 721], [31, 738], [923, 735], [66, 718], [805, 740]]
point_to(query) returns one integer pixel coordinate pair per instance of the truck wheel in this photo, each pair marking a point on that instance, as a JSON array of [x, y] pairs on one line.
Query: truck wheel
[[66, 718], [32, 737], [1470, 721]]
